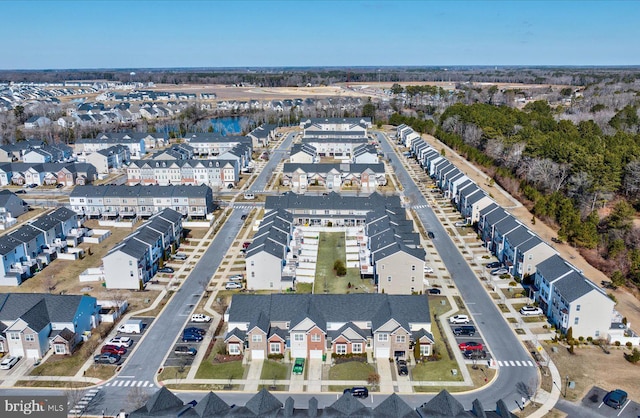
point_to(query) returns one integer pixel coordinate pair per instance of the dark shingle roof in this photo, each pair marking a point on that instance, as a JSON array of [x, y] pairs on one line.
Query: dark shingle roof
[[443, 405], [394, 406], [60, 308], [263, 403]]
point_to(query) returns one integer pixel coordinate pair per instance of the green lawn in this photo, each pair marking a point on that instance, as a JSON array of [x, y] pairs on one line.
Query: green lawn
[[331, 248], [304, 287], [353, 370], [229, 370], [274, 370], [436, 371]]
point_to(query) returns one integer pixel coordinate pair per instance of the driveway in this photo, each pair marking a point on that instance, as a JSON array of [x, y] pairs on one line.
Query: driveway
[[253, 376], [386, 377], [314, 375]]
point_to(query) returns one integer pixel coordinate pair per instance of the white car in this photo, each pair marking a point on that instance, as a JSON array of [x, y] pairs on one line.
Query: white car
[[427, 269], [9, 362], [233, 285], [460, 224], [236, 278], [459, 319], [498, 272], [121, 341], [200, 318], [530, 310]]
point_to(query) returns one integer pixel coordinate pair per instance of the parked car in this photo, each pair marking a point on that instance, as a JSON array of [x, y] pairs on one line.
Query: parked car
[[460, 224], [180, 256], [403, 370], [357, 391], [556, 240], [20, 191], [115, 349], [106, 358], [615, 399], [32, 185], [470, 345], [59, 186], [121, 341], [467, 330], [246, 244], [191, 337], [243, 217], [9, 362], [298, 366], [200, 318], [427, 269], [475, 354], [165, 270], [459, 319], [184, 350], [494, 265], [233, 285], [499, 271], [194, 330], [530, 310], [431, 235], [434, 291], [236, 278]]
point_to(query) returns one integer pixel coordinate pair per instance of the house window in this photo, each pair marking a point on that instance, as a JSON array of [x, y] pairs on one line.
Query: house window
[[388, 278], [425, 350], [315, 338], [413, 279], [59, 349], [401, 338], [341, 349], [252, 263], [298, 337], [413, 268], [256, 338], [130, 263], [29, 337], [578, 308], [356, 348], [383, 337], [597, 333], [382, 267], [575, 322], [14, 335], [274, 348], [234, 349], [253, 274]]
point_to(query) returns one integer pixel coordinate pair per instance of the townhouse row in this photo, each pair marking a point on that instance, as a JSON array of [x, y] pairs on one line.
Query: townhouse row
[[34, 245], [68, 174], [133, 262], [388, 249], [567, 297], [304, 153], [113, 201], [314, 326], [334, 176]]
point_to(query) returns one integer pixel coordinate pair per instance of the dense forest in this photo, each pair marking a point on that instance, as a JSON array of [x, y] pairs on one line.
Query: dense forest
[[287, 77], [578, 176]]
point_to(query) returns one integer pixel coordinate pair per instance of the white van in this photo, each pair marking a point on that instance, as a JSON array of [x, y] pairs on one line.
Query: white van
[[249, 196]]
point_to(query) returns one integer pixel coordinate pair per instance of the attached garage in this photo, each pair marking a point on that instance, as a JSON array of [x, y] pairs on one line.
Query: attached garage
[[300, 352], [31, 353], [383, 352], [257, 354], [315, 354]]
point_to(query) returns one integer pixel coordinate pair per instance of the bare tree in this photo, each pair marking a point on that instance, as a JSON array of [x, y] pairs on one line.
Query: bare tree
[[136, 398]]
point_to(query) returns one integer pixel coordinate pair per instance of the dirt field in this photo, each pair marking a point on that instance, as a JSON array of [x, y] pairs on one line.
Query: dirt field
[[590, 366]]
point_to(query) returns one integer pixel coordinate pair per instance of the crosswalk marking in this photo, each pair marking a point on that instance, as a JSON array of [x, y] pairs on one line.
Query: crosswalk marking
[[420, 206], [515, 363], [512, 363], [130, 383]]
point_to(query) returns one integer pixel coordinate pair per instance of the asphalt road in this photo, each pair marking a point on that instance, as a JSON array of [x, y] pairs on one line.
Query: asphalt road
[[496, 332]]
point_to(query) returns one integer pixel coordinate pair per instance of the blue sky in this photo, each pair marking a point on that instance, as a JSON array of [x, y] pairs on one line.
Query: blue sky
[[128, 34]]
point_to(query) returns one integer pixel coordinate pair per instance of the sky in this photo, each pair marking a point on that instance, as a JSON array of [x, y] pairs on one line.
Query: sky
[[297, 33]]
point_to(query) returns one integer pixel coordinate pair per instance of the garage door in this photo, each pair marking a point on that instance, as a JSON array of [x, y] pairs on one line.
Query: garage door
[[33, 354], [315, 354], [257, 354], [299, 352], [382, 352]]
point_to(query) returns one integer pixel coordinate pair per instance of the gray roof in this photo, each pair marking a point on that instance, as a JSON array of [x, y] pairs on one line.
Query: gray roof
[[60, 308], [575, 285], [162, 403], [394, 406], [63, 214], [263, 403], [211, 405], [347, 406], [554, 267], [26, 233], [519, 236], [331, 201], [139, 190], [443, 405], [8, 244], [327, 167]]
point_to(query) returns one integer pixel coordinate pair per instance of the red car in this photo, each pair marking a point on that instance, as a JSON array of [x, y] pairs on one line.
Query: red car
[[245, 245], [113, 349], [470, 345]]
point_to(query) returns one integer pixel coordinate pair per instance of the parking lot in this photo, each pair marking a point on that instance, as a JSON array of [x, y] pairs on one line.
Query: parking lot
[[594, 401], [146, 323], [185, 359], [482, 355]]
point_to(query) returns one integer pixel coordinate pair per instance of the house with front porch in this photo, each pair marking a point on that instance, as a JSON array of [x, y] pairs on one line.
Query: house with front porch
[[317, 325]]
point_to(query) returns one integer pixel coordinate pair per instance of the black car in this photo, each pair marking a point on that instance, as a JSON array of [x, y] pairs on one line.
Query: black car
[[357, 391], [468, 330], [59, 185], [474, 354], [494, 265], [243, 217], [434, 291], [615, 399], [403, 370], [430, 234], [194, 330], [21, 191]]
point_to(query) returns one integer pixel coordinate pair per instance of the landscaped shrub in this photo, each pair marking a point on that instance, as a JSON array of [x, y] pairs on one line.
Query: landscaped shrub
[[346, 358], [339, 268], [634, 357], [275, 356], [629, 345], [616, 343]]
